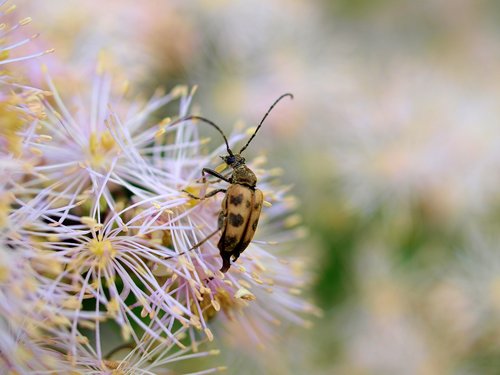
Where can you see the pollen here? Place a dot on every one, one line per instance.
(160, 132)
(209, 334)
(251, 130)
(112, 365)
(293, 221)
(36, 106)
(125, 332)
(5, 201)
(100, 146)
(244, 284)
(244, 294)
(72, 303)
(89, 221)
(87, 324)
(103, 251)
(113, 307)
(25, 21)
(12, 124)
(195, 322)
(179, 91)
(10, 9)
(161, 270)
(4, 273)
(36, 151)
(215, 305)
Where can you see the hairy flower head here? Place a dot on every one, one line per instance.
(104, 220)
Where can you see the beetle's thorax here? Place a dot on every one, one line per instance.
(244, 176)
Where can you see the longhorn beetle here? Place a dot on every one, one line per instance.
(242, 203)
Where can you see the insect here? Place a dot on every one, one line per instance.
(242, 204)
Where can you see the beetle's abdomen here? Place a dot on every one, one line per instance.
(241, 209)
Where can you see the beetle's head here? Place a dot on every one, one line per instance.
(233, 160)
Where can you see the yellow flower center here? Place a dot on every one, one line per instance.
(9, 131)
(99, 148)
(103, 250)
(222, 300)
(4, 55)
(5, 200)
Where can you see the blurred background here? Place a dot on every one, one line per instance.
(392, 144)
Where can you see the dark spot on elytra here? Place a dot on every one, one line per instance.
(256, 206)
(235, 220)
(230, 241)
(236, 199)
(254, 225)
(248, 204)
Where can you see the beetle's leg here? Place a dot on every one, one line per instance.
(227, 178)
(226, 261)
(211, 194)
(215, 174)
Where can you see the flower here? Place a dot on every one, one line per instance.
(11, 39)
(100, 218)
(260, 289)
(82, 154)
(81, 252)
(143, 241)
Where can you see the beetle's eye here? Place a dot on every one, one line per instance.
(230, 159)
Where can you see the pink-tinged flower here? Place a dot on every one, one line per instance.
(11, 40)
(82, 154)
(105, 264)
(69, 265)
(74, 213)
(261, 289)
(84, 261)
(150, 357)
(35, 338)
(136, 49)
(420, 141)
(105, 208)
(470, 292)
(26, 320)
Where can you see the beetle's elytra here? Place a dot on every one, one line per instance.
(242, 204)
(238, 220)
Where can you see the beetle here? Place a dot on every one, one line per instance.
(242, 203)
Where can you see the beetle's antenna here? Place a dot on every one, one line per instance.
(208, 122)
(265, 116)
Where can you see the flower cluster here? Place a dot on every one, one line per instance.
(99, 272)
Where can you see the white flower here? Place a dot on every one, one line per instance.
(105, 222)
(261, 288)
(27, 319)
(11, 40)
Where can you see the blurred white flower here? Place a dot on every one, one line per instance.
(423, 140)
(13, 41)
